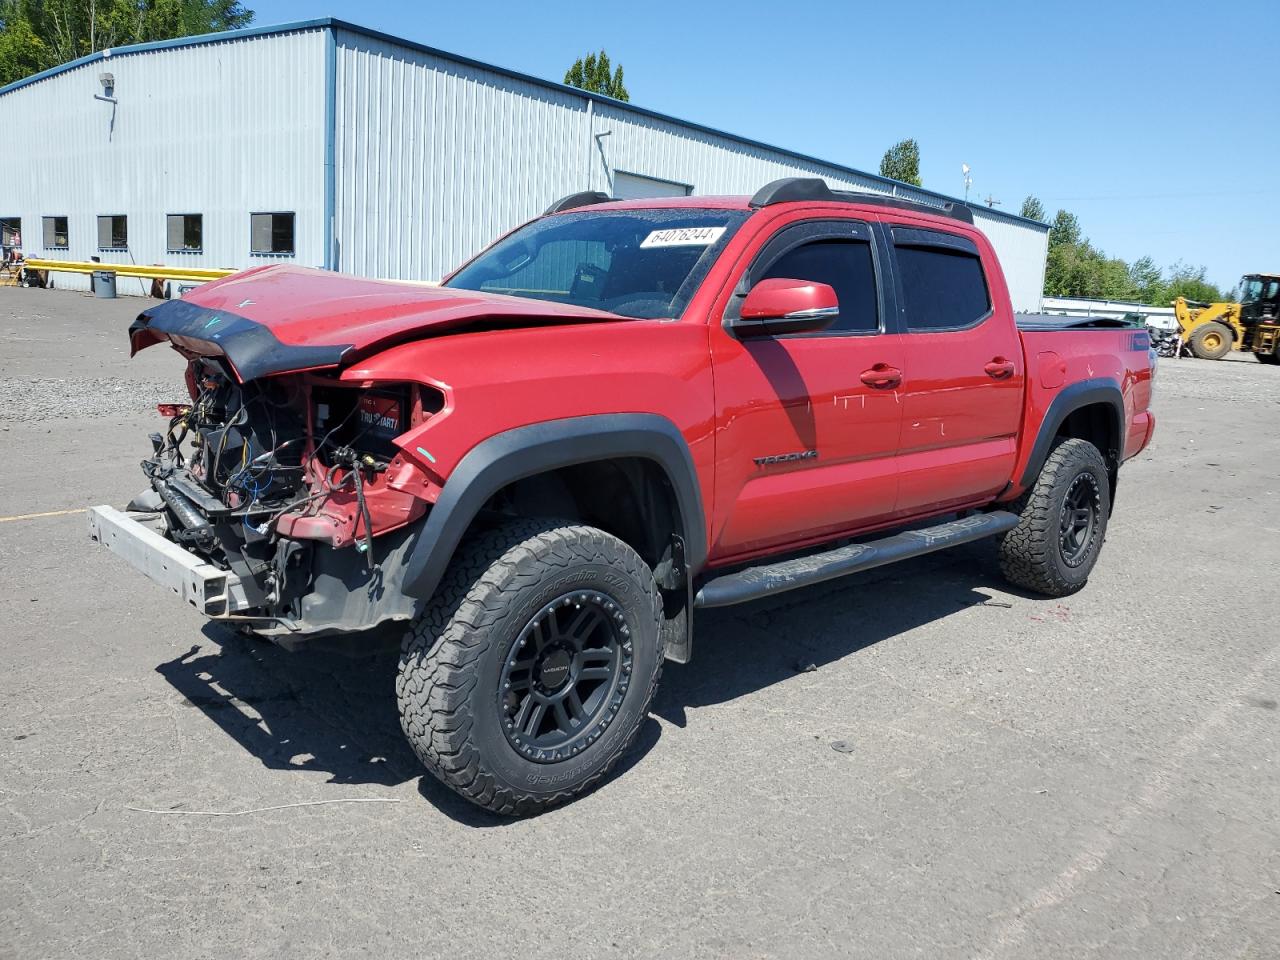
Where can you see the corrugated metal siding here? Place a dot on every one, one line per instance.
(649, 146)
(1022, 250)
(434, 160)
(219, 129)
(437, 158)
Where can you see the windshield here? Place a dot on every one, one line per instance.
(637, 263)
(1250, 289)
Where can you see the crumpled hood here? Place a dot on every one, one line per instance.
(282, 318)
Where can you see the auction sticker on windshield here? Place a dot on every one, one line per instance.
(682, 237)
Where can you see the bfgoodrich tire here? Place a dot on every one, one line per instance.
(532, 668)
(1063, 522)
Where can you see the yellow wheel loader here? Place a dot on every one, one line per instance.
(1212, 330)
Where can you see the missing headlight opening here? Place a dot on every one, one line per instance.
(303, 456)
(369, 420)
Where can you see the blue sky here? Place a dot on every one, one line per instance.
(1147, 120)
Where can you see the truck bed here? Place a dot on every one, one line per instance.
(1100, 351)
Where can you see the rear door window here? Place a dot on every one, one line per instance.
(943, 283)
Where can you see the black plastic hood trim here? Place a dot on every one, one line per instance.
(251, 348)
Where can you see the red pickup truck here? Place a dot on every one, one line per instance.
(615, 415)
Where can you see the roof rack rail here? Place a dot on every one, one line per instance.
(813, 189)
(584, 199)
(790, 190)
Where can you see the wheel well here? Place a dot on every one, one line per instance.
(1096, 423)
(629, 497)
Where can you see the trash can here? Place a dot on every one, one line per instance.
(104, 284)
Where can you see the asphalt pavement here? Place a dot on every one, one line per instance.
(915, 762)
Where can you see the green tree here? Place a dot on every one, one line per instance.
(38, 34)
(1074, 267)
(1147, 281)
(901, 162)
(595, 73)
(22, 52)
(1111, 279)
(1080, 270)
(1188, 281)
(1033, 209)
(1065, 230)
(1070, 270)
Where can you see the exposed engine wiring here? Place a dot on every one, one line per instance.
(300, 502)
(261, 478)
(338, 426)
(222, 440)
(175, 443)
(364, 513)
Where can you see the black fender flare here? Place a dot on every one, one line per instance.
(1084, 393)
(525, 451)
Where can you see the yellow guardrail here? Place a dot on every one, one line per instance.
(138, 270)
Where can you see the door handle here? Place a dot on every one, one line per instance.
(999, 368)
(882, 376)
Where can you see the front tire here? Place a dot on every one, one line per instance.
(1211, 341)
(533, 666)
(1269, 358)
(1063, 522)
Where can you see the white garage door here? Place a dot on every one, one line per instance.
(631, 186)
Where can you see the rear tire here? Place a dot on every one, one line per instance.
(1269, 358)
(1211, 341)
(533, 666)
(1063, 522)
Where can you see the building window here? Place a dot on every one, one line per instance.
(184, 232)
(10, 232)
(271, 234)
(55, 233)
(113, 232)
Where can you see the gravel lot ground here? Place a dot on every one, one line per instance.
(1096, 776)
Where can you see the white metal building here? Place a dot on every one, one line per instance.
(1162, 318)
(331, 145)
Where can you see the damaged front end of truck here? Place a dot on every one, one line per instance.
(287, 493)
(277, 498)
(293, 487)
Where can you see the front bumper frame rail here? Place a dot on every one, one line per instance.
(215, 593)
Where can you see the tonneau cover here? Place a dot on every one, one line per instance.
(1046, 321)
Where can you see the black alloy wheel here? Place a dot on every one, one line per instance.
(1079, 519)
(565, 676)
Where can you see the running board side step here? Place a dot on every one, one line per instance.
(761, 581)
